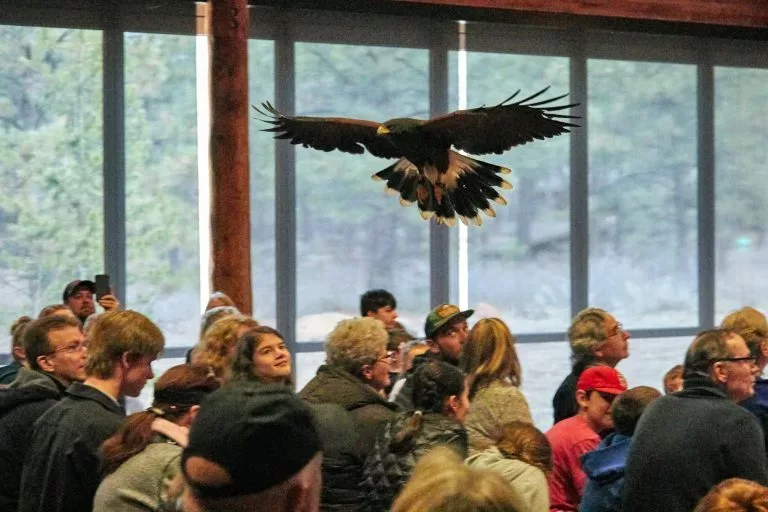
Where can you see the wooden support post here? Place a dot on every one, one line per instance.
(230, 189)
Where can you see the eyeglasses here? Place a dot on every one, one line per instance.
(71, 349)
(386, 358)
(749, 359)
(619, 330)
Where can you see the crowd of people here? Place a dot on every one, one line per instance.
(391, 421)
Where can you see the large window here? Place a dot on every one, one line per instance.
(163, 263)
(741, 189)
(642, 179)
(638, 175)
(351, 236)
(51, 228)
(519, 261)
(261, 69)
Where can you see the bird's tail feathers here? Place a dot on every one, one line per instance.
(403, 178)
(468, 188)
(476, 184)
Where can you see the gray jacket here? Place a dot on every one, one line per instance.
(141, 482)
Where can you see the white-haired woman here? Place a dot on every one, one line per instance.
(347, 391)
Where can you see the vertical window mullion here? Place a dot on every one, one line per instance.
(579, 181)
(706, 187)
(114, 153)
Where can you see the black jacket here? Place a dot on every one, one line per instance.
(687, 442)
(388, 466)
(61, 468)
(352, 424)
(28, 397)
(404, 399)
(564, 402)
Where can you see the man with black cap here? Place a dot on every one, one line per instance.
(78, 296)
(446, 330)
(252, 448)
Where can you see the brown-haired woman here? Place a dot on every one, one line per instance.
(522, 457)
(137, 460)
(490, 361)
(262, 356)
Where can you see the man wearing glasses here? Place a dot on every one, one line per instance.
(596, 338)
(596, 389)
(690, 441)
(61, 468)
(56, 350)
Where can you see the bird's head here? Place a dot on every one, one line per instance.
(397, 126)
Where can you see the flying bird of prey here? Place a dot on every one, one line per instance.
(441, 181)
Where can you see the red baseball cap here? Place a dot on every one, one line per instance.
(602, 378)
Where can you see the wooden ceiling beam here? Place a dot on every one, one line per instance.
(735, 13)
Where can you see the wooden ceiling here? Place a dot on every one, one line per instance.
(721, 17)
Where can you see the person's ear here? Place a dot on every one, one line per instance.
(597, 350)
(433, 346)
(367, 372)
(128, 360)
(581, 398)
(452, 403)
(44, 364)
(20, 353)
(719, 372)
(192, 414)
(296, 496)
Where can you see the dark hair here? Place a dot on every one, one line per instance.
(708, 345)
(176, 392)
(242, 363)
(372, 300)
(17, 334)
(36, 342)
(629, 406)
(434, 382)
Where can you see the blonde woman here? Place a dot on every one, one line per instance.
(217, 347)
(523, 457)
(440, 482)
(490, 361)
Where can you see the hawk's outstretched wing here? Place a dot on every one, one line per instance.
(496, 129)
(328, 134)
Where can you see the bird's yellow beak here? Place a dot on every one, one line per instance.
(382, 130)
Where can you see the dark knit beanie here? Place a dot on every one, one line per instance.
(262, 435)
